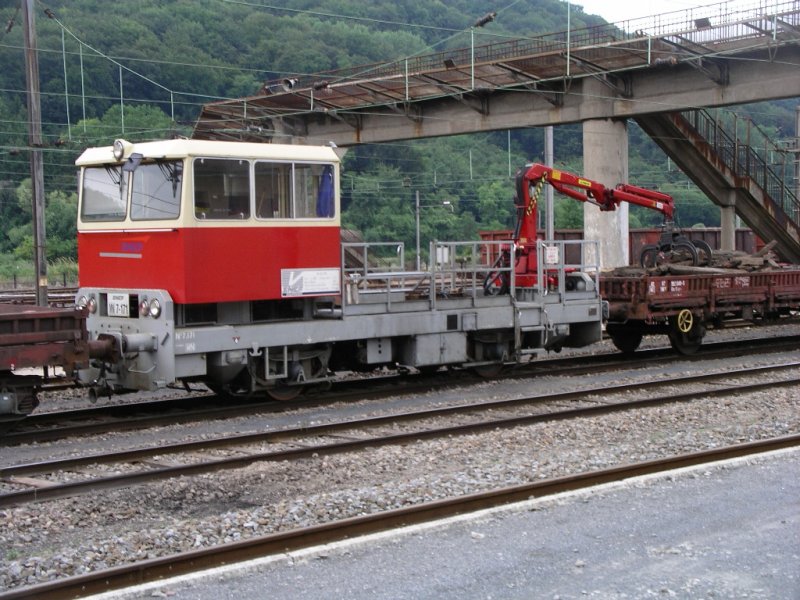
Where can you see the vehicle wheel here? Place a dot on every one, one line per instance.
(703, 252)
(489, 371)
(219, 389)
(649, 257)
(626, 339)
(684, 252)
(685, 332)
(285, 393)
(233, 390)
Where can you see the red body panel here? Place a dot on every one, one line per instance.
(196, 265)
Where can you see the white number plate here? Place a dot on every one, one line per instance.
(118, 305)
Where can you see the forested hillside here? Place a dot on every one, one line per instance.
(142, 70)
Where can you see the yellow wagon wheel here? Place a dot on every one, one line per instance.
(685, 320)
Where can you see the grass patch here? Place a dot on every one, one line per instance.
(21, 274)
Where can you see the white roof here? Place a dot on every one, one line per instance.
(180, 148)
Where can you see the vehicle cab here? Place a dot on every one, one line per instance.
(178, 232)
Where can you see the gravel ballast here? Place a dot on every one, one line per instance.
(46, 540)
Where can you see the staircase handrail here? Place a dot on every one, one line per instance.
(748, 156)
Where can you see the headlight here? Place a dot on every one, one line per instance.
(81, 302)
(119, 148)
(150, 308)
(91, 304)
(155, 308)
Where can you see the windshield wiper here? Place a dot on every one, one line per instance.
(172, 173)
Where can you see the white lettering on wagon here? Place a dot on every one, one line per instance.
(677, 286)
(664, 286)
(309, 282)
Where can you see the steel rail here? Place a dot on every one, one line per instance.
(123, 417)
(75, 488)
(280, 543)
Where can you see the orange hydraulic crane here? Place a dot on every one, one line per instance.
(529, 183)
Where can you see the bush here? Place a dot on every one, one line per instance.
(22, 273)
(63, 272)
(16, 273)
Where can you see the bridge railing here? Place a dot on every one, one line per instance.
(724, 22)
(749, 152)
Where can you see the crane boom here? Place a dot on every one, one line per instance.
(529, 182)
(583, 190)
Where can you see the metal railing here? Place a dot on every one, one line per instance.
(710, 26)
(380, 270)
(372, 256)
(558, 274)
(462, 267)
(459, 269)
(721, 22)
(748, 152)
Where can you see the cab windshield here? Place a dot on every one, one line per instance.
(155, 191)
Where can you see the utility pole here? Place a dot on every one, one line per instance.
(797, 152)
(35, 144)
(416, 210)
(550, 233)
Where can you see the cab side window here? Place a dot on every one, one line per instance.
(294, 190)
(273, 190)
(221, 188)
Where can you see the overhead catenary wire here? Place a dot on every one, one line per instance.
(209, 66)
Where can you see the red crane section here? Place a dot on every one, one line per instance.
(529, 184)
(583, 190)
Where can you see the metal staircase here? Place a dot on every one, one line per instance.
(735, 164)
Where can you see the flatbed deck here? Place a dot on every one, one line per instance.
(682, 306)
(34, 336)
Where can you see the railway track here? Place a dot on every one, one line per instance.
(307, 441)
(56, 296)
(41, 427)
(296, 539)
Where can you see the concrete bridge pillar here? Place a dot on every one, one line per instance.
(605, 159)
(727, 220)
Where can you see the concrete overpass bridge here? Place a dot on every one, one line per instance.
(601, 76)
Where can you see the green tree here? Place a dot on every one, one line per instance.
(496, 205)
(135, 123)
(568, 213)
(12, 216)
(166, 58)
(60, 225)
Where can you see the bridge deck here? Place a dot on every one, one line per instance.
(548, 62)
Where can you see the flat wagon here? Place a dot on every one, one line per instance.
(684, 306)
(37, 337)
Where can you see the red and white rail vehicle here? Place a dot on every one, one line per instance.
(222, 262)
